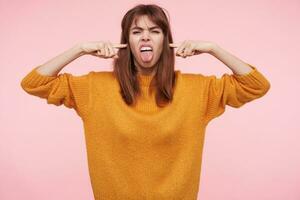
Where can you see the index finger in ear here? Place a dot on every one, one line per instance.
(173, 45)
(119, 46)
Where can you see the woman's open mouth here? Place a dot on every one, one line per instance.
(146, 53)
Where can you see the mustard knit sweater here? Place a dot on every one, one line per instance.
(146, 152)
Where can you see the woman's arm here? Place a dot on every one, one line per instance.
(56, 64)
(192, 47)
(246, 83)
(72, 91)
(234, 63)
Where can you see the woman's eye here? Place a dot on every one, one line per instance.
(135, 32)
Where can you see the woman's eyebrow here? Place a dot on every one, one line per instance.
(140, 28)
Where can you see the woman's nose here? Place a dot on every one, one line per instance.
(145, 36)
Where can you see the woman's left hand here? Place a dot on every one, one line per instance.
(192, 47)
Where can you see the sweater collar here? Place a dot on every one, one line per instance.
(145, 80)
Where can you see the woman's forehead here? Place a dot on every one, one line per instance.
(142, 21)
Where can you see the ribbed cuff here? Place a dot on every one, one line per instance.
(33, 78)
(253, 76)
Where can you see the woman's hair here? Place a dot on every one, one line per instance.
(124, 68)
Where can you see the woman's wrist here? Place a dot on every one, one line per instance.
(79, 50)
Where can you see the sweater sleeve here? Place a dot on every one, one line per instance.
(67, 89)
(233, 90)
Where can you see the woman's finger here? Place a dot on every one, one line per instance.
(115, 54)
(184, 52)
(111, 50)
(188, 50)
(106, 50)
(119, 46)
(180, 49)
(173, 45)
(103, 50)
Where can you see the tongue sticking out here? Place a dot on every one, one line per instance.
(146, 56)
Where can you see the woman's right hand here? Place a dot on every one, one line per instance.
(102, 49)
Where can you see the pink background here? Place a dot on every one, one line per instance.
(249, 153)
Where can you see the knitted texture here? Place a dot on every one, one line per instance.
(146, 152)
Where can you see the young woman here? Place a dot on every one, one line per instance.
(145, 122)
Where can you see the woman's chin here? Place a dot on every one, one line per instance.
(147, 64)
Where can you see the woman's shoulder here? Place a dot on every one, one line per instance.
(189, 76)
(102, 74)
(103, 78)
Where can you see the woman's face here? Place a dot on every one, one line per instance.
(146, 33)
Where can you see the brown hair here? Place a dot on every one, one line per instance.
(124, 68)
